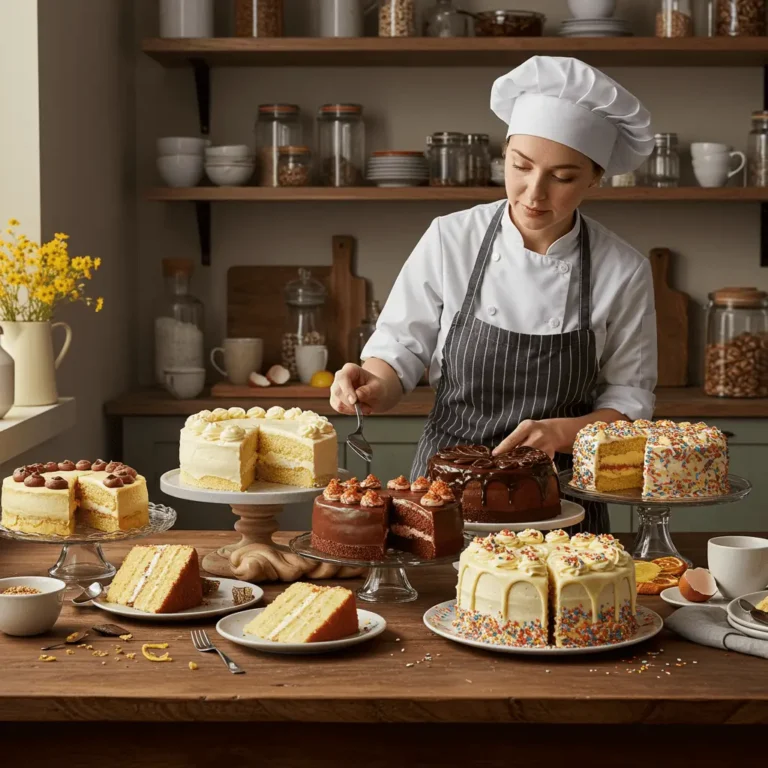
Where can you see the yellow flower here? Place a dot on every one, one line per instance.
(61, 236)
(99, 304)
(96, 263)
(13, 223)
(78, 263)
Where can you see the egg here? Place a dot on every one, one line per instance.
(697, 585)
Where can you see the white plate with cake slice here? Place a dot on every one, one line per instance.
(217, 603)
(232, 628)
(440, 619)
(571, 513)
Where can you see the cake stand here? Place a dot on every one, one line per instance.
(387, 581)
(653, 538)
(256, 557)
(81, 558)
(571, 513)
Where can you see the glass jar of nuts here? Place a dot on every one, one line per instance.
(259, 18)
(278, 125)
(736, 355)
(447, 159)
(294, 166)
(674, 19)
(740, 18)
(397, 18)
(341, 140)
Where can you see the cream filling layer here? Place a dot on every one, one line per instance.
(293, 615)
(407, 532)
(147, 573)
(199, 458)
(632, 457)
(92, 506)
(276, 460)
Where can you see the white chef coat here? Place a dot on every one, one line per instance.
(526, 292)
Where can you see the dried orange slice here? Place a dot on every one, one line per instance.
(671, 566)
(658, 585)
(645, 571)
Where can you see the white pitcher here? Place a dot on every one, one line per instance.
(31, 347)
(6, 381)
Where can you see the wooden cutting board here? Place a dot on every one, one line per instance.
(672, 323)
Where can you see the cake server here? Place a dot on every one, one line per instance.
(202, 643)
(356, 441)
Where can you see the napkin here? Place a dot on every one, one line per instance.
(709, 626)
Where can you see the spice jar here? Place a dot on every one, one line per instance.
(447, 160)
(663, 165)
(478, 159)
(674, 19)
(259, 18)
(397, 18)
(305, 298)
(179, 322)
(757, 151)
(740, 18)
(294, 166)
(736, 355)
(341, 139)
(277, 125)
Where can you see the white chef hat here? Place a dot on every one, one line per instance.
(567, 101)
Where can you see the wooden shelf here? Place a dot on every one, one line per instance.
(459, 51)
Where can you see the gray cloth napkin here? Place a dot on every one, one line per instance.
(709, 626)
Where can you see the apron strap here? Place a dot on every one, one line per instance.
(482, 259)
(585, 276)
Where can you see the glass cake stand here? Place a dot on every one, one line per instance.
(387, 581)
(81, 558)
(653, 538)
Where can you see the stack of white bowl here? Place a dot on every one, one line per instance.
(229, 166)
(180, 160)
(592, 18)
(398, 168)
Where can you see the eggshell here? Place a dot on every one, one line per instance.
(697, 585)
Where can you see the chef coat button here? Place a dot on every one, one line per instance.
(564, 268)
(496, 256)
(491, 311)
(554, 323)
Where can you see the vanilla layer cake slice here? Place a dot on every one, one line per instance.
(113, 501)
(39, 503)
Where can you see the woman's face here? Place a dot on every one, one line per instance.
(546, 181)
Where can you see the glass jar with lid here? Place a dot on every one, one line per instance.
(740, 18)
(259, 18)
(341, 144)
(397, 18)
(294, 166)
(447, 159)
(359, 336)
(663, 165)
(305, 298)
(179, 322)
(736, 355)
(277, 125)
(478, 159)
(757, 151)
(674, 19)
(445, 20)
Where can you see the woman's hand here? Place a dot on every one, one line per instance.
(355, 384)
(547, 435)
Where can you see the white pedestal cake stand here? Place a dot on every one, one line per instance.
(256, 557)
(653, 538)
(571, 513)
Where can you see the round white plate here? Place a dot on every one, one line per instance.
(748, 631)
(440, 617)
(672, 596)
(231, 627)
(741, 618)
(217, 604)
(570, 514)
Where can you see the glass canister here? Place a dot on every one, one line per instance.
(294, 166)
(478, 159)
(757, 151)
(341, 144)
(179, 322)
(305, 298)
(447, 160)
(740, 18)
(259, 18)
(736, 355)
(359, 336)
(397, 18)
(445, 20)
(663, 165)
(277, 125)
(674, 19)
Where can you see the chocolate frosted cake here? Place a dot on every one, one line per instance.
(520, 486)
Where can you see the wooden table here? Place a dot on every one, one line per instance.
(365, 706)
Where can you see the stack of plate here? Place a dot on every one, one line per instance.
(395, 168)
(742, 621)
(595, 28)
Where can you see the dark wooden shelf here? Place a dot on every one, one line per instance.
(459, 51)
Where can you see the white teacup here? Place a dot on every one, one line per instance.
(715, 170)
(184, 383)
(703, 148)
(310, 358)
(25, 615)
(739, 564)
(241, 358)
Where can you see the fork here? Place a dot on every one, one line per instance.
(356, 441)
(202, 643)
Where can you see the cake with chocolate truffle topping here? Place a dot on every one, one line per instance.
(518, 486)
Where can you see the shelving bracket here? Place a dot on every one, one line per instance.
(203, 89)
(203, 213)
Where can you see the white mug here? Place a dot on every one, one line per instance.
(184, 383)
(310, 358)
(715, 170)
(703, 148)
(241, 358)
(186, 18)
(739, 564)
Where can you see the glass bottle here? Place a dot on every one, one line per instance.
(478, 159)
(294, 166)
(397, 18)
(674, 19)
(259, 18)
(740, 18)
(663, 165)
(305, 298)
(736, 354)
(757, 151)
(341, 140)
(445, 20)
(448, 160)
(277, 125)
(179, 322)
(359, 336)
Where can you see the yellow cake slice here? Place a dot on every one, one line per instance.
(40, 504)
(114, 501)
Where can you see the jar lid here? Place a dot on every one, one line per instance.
(477, 138)
(291, 150)
(306, 291)
(340, 110)
(175, 266)
(760, 115)
(447, 137)
(278, 109)
(665, 139)
(739, 297)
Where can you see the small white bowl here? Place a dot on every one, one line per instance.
(181, 170)
(240, 162)
(229, 175)
(592, 9)
(24, 615)
(184, 383)
(181, 145)
(234, 151)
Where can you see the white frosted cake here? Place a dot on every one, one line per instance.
(228, 449)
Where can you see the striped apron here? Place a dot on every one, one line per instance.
(492, 379)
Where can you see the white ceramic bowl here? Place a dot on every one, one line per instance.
(238, 161)
(181, 145)
(233, 151)
(229, 175)
(24, 615)
(592, 9)
(184, 383)
(181, 170)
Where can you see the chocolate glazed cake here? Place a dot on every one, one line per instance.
(520, 486)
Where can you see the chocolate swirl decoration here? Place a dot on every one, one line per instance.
(66, 466)
(99, 465)
(481, 457)
(20, 474)
(83, 465)
(51, 466)
(56, 483)
(34, 481)
(113, 481)
(125, 475)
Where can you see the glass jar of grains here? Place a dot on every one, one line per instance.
(478, 159)
(397, 18)
(447, 160)
(277, 125)
(663, 165)
(294, 166)
(736, 355)
(740, 18)
(757, 151)
(341, 140)
(259, 18)
(674, 19)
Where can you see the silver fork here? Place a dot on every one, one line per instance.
(356, 441)
(202, 643)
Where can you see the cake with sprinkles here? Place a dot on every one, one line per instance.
(532, 590)
(665, 459)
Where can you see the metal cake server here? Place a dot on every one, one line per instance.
(356, 441)
(761, 617)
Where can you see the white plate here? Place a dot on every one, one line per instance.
(570, 514)
(672, 596)
(231, 627)
(740, 617)
(748, 631)
(217, 604)
(439, 618)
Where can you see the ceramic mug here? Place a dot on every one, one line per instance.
(184, 383)
(715, 170)
(704, 148)
(241, 358)
(738, 563)
(310, 358)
